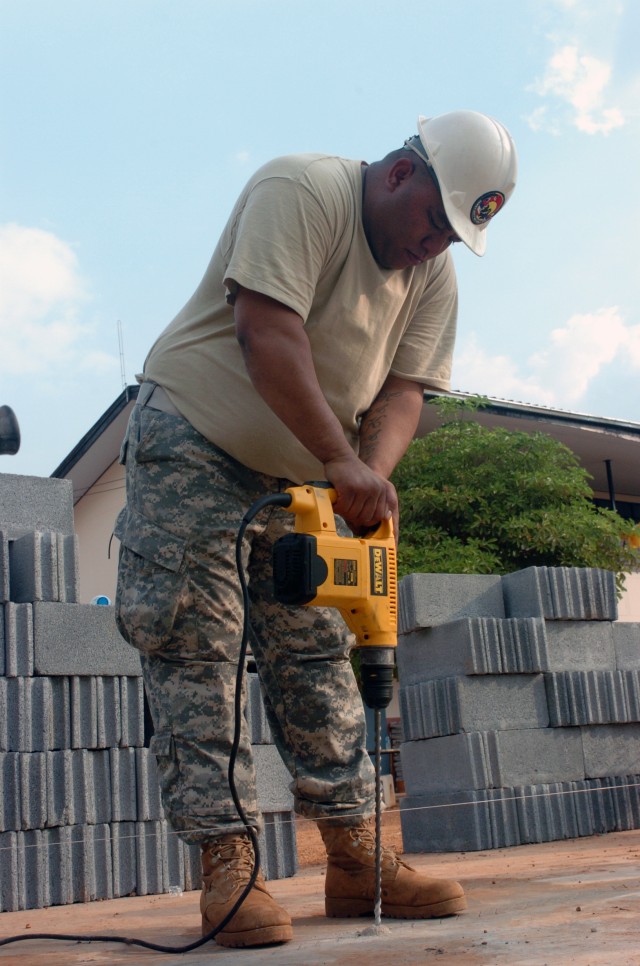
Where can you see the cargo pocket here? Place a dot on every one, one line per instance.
(162, 746)
(151, 583)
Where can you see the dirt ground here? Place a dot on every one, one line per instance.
(566, 903)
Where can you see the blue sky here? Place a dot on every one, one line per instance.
(128, 127)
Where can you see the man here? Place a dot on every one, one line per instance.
(328, 306)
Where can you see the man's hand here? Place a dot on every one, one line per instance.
(364, 498)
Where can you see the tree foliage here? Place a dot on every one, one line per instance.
(491, 501)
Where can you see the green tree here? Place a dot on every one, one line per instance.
(491, 501)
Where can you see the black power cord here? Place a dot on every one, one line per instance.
(276, 499)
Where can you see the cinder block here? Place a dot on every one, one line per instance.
(428, 600)
(33, 790)
(183, 863)
(625, 795)
(58, 866)
(83, 787)
(124, 859)
(631, 681)
(4, 714)
(10, 797)
(28, 712)
(100, 773)
(592, 697)
(124, 803)
(475, 645)
(9, 872)
(467, 820)
(86, 787)
(272, 780)
(192, 866)
(34, 869)
(5, 592)
(61, 713)
(69, 639)
(79, 864)
(131, 712)
(56, 855)
(84, 712)
(575, 645)
(175, 859)
(149, 802)
(588, 808)
(561, 593)
(103, 865)
(43, 567)
(259, 730)
(538, 756)
(108, 712)
(611, 750)
(151, 858)
(97, 718)
(35, 503)
(546, 812)
(277, 844)
(626, 644)
(492, 759)
(61, 789)
(604, 812)
(463, 704)
(18, 640)
(450, 764)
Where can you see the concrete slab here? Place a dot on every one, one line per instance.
(69, 638)
(35, 503)
(571, 902)
(428, 600)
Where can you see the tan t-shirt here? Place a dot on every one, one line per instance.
(296, 235)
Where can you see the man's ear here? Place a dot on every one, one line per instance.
(399, 172)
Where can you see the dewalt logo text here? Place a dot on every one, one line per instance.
(378, 564)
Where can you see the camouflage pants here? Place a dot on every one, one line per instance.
(178, 601)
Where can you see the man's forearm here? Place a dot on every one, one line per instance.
(278, 358)
(390, 424)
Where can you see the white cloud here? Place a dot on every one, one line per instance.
(41, 294)
(478, 372)
(580, 81)
(561, 373)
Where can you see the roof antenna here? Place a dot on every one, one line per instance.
(121, 348)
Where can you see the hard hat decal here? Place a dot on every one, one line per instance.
(486, 206)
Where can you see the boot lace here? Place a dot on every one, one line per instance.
(364, 836)
(235, 855)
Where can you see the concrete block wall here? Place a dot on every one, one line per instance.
(80, 810)
(520, 709)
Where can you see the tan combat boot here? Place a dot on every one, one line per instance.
(350, 887)
(227, 864)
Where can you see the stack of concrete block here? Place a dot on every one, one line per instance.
(80, 810)
(520, 708)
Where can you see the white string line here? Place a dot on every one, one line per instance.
(288, 819)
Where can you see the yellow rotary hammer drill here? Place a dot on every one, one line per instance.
(357, 575)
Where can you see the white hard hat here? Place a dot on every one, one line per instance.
(474, 160)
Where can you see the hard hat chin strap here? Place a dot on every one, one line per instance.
(415, 144)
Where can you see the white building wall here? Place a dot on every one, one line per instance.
(94, 518)
(629, 605)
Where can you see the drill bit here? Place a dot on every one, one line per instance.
(378, 898)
